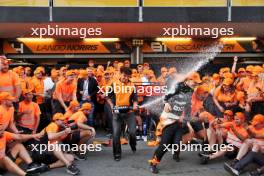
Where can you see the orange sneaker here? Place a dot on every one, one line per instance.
(153, 143)
(154, 161)
(123, 141)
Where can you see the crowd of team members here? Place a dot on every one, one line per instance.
(65, 105)
(226, 108)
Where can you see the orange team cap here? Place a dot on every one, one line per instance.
(216, 76)
(228, 112)
(257, 70)
(202, 89)
(241, 70)
(241, 116)
(26, 91)
(259, 118)
(120, 64)
(70, 73)
(228, 75)
(224, 70)
(6, 96)
(228, 81)
(74, 103)
(83, 73)
(250, 68)
(86, 106)
(58, 116)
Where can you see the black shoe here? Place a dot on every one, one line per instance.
(233, 163)
(134, 149)
(34, 168)
(79, 156)
(73, 170)
(153, 169)
(117, 157)
(44, 168)
(254, 173)
(231, 170)
(204, 158)
(176, 157)
(30, 174)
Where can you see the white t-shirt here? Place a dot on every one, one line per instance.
(48, 85)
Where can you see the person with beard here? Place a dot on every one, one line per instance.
(9, 80)
(126, 97)
(178, 106)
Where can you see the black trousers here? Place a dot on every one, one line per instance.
(130, 120)
(109, 117)
(57, 107)
(45, 117)
(251, 157)
(172, 134)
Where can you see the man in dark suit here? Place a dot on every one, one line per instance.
(87, 88)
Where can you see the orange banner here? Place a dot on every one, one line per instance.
(197, 46)
(51, 46)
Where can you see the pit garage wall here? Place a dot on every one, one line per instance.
(63, 46)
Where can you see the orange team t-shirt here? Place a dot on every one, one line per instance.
(8, 82)
(222, 97)
(255, 89)
(197, 105)
(65, 90)
(257, 131)
(6, 116)
(78, 117)
(67, 115)
(243, 84)
(54, 128)
(29, 120)
(37, 85)
(240, 129)
(6, 137)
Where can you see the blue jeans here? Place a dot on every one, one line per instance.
(90, 119)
